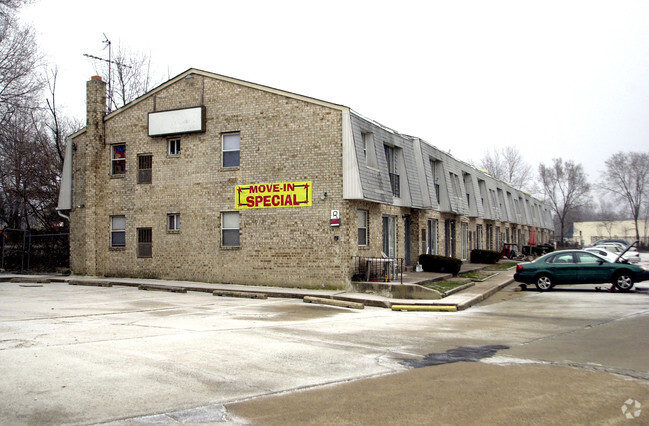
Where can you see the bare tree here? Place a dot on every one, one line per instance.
(129, 74)
(627, 178)
(19, 59)
(507, 164)
(565, 187)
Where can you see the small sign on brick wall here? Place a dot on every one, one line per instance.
(335, 218)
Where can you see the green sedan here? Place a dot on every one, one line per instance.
(578, 267)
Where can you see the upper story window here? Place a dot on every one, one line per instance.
(231, 149)
(368, 150)
(391, 159)
(173, 147)
(144, 168)
(435, 169)
(173, 222)
(118, 159)
(455, 183)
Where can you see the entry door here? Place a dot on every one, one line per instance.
(390, 236)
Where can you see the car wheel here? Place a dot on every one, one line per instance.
(543, 282)
(623, 281)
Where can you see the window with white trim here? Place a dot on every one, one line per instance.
(173, 222)
(363, 221)
(117, 231)
(173, 147)
(230, 229)
(231, 144)
(369, 151)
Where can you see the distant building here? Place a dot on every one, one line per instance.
(211, 178)
(588, 232)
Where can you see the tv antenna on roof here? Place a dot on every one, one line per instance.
(110, 61)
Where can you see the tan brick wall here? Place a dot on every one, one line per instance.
(283, 139)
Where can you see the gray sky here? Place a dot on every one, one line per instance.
(565, 79)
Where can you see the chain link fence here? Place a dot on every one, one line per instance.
(26, 251)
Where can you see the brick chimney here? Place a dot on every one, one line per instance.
(87, 188)
(95, 108)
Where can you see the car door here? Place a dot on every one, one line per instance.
(564, 268)
(593, 269)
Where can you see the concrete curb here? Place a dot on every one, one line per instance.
(458, 289)
(89, 283)
(242, 294)
(457, 299)
(162, 287)
(484, 295)
(426, 308)
(333, 302)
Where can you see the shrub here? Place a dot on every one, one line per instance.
(485, 256)
(434, 263)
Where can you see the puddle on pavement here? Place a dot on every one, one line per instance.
(298, 312)
(460, 354)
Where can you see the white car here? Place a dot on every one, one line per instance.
(610, 256)
(632, 255)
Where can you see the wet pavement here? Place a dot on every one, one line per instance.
(75, 354)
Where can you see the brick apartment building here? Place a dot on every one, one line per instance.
(211, 178)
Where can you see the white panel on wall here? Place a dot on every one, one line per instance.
(188, 120)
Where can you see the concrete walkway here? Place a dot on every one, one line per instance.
(468, 296)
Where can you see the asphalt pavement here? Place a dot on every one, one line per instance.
(467, 296)
(105, 351)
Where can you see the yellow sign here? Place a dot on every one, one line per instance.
(273, 195)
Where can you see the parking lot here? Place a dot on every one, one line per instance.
(73, 354)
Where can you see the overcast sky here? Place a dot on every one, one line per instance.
(565, 79)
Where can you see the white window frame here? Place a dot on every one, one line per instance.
(173, 222)
(175, 152)
(363, 219)
(114, 230)
(224, 150)
(229, 229)
(369, 151)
